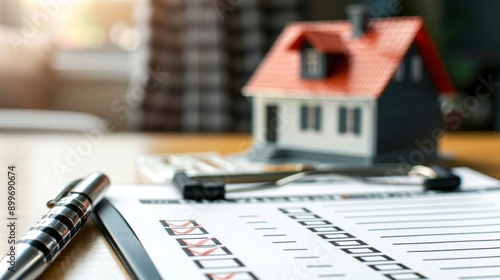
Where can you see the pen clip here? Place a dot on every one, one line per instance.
(62, 193)
(421, 170)
(437, 178)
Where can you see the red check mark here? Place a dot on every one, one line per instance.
(188, 223)
(227, 277)
(188, 231)
(203, 252)
(199, 243)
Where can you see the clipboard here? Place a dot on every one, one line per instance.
(124, 242)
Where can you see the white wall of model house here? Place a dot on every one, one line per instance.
(326, 139)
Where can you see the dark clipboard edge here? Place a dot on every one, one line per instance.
(124, 241)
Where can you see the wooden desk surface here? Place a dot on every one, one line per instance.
(45, 161)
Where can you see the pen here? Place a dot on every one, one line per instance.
(35, 251)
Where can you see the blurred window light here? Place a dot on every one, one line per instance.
(79, 25)
(416, 62)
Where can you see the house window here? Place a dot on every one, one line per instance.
(312, 62)
(271, 123)
(356, 119)
(317, 118)
(342, 120)
(310, 117)
(350, 120)
(399, 76)
(416, 68)
(304, 116)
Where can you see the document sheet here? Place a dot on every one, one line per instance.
(403, 235)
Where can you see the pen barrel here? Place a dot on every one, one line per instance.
(52, 233)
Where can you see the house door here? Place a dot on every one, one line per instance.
(271, 123)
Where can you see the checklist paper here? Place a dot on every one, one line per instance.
(393, 236)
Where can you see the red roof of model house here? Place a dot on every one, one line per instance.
(372, 59)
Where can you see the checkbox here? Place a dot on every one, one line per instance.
(315, 223)
(179, 223)
(324, 229)
(364, 250)
(198, 242)
(380, 258)
(340, 235)
(341, 243)
(232, 276)
(219, 263)
(294, 210)
(389, 266)
(186, 231)
(405, 276)
(207, 251)
(305, 217)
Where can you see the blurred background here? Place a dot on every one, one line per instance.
(179, 65)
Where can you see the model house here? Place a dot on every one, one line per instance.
(353, 91)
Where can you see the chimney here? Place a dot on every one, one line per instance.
(358, 16)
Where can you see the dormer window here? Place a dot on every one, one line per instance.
(312, 61)
(313, 64)
(320, 53)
